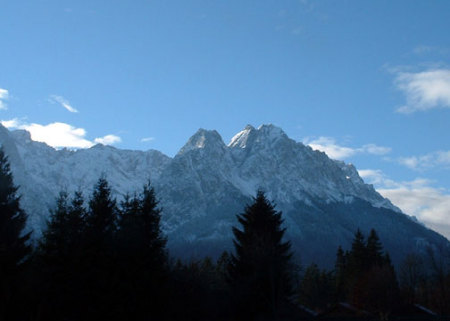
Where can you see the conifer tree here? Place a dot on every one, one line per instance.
(260, 268)
(316, 288)
(358, 254)
(142, 256)
(340, 272)
(76, 218)
(53, 245)
(99, 281)
(13, 241)
(366, 276)
(140, 230)
(59, 255)
(64, 229)
(374, 249)
(101, 218)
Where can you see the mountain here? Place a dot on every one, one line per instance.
(208, 182)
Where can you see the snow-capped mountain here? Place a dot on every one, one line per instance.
(207, 183)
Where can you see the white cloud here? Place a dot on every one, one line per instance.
(430, 205)
(108, 140)
(424, 90)
(417, 197)
(4, 95)
(434, 159)
(63, 102)
(335, 151)
(147, 139)
(12, 123)
(375, 176)
(375, 150)
(329, 146)
(59, 135)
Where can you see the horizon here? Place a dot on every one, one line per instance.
(367, 83)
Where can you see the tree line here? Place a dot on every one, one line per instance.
(100, 259)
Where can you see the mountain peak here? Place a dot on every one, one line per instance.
(271, 131)
(249, 134)
(241, 139)
(203, 139)
(22, 135)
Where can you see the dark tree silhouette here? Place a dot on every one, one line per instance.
(58, 258)
(54, 243)
(99, 282)
(365, 275)
(340, 273)
(102, 215)
(260, 268)
(374, 249)
(317, 288)
(13, 241)
(142, 256)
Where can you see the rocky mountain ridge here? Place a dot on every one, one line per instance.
(208, 182)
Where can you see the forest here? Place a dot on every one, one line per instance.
(100, 259)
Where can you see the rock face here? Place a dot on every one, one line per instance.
(207, 183)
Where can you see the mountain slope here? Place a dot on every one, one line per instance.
(207, 183)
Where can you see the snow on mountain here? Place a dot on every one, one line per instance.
(207, 183)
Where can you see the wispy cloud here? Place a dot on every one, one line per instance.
(59, 135)
(108, 140)
(424, 50)
(424, 90)
(417, 198)
(333, 150)
(430, 160)
(12, 123)
(63, 102)
(147, 139)
(430, 205)
(4, 95)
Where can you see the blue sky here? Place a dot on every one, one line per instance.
(366, 81)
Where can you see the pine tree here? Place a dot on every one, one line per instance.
(260, 268)
(59, 255)
(64, 229)
(151, 219)
(99, 282)
(358, 254)
(369, 278)
(142, 256)
(13, 241)
(140, 230)
(76, 219)
(53, 245)
(317, 288)
(374, 249)
(101, 218)
(340, 272)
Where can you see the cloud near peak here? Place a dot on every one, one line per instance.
(108, 140)
(335, 151)
(4, 95)
(59, 135)
(424, 90)
(417, 197)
